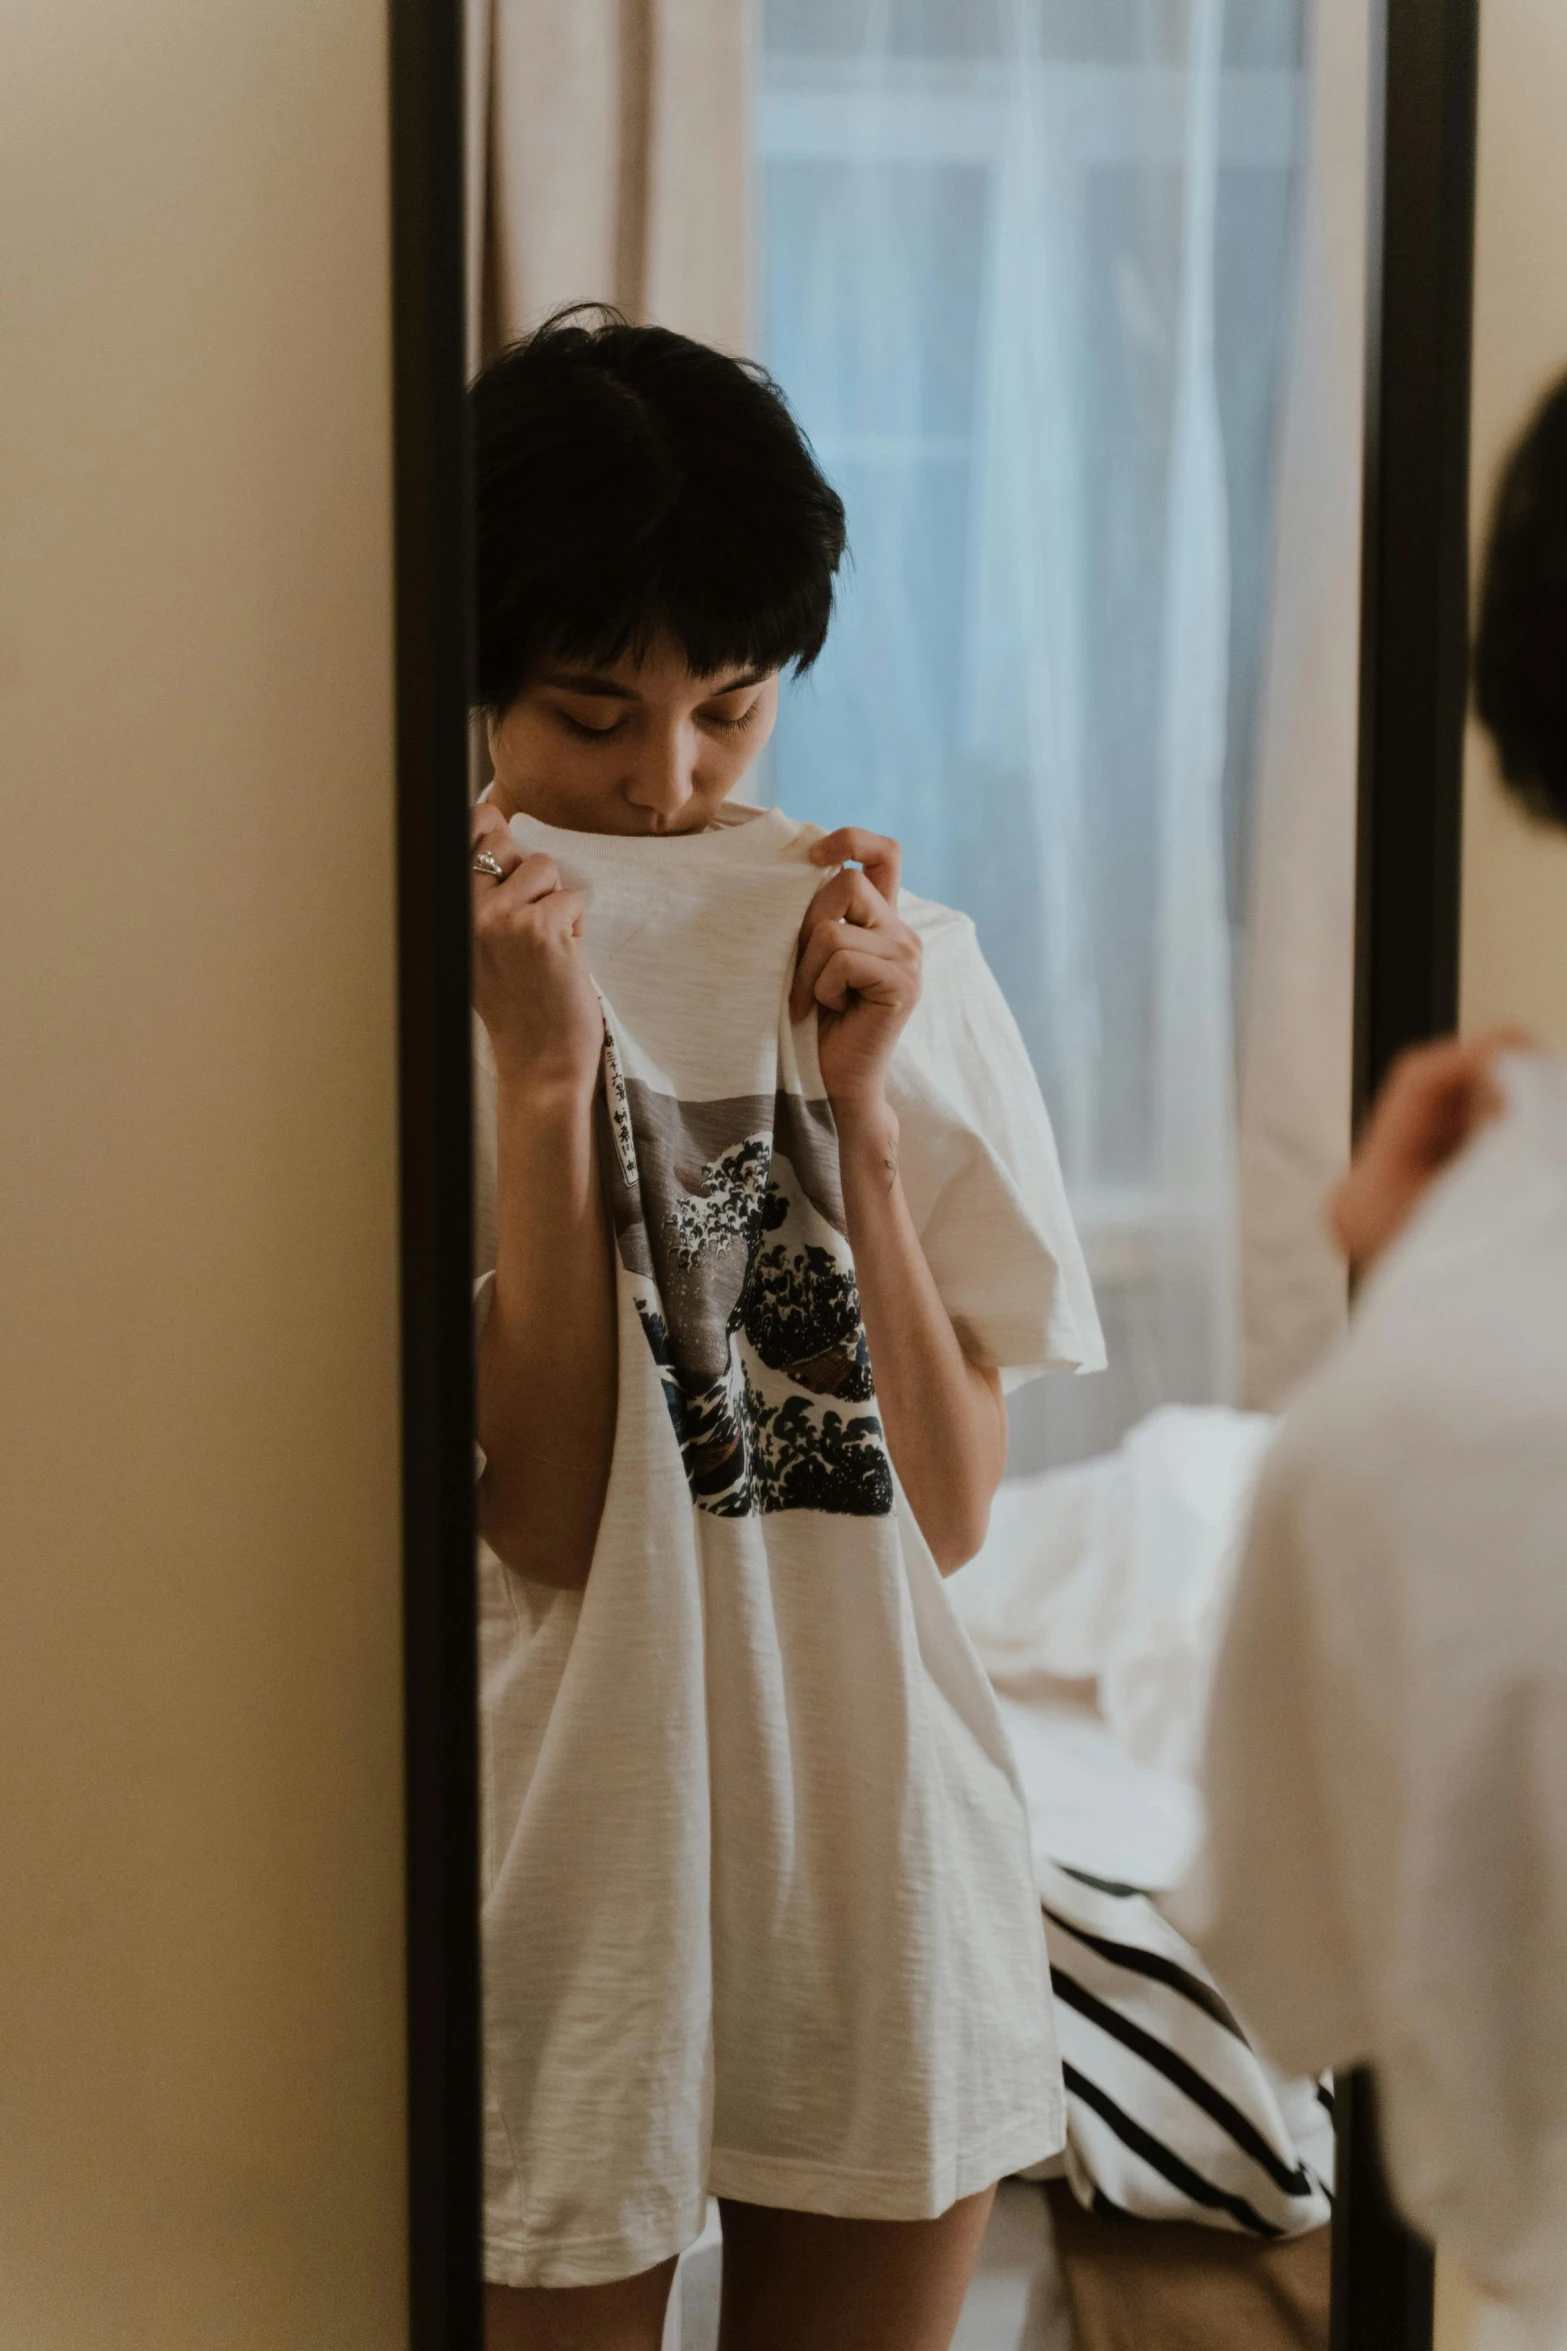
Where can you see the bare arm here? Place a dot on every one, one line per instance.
(944, 1417)
(546, 1370)
(1432, 1103)
(547, 1357)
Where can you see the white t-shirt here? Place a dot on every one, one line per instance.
(1387, 1768)
(759, 1914)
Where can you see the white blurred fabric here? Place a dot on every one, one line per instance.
(1118, 1571)
(1299, 996)
(609, 160)
(1387, 1766)
(1500, 2328)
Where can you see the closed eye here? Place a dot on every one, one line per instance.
(580, 728)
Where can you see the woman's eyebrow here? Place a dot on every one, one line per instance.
(585, 681)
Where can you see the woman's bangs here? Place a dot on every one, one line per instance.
(714, 634)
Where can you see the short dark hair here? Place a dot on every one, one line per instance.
(1521, 644)
(627, 481)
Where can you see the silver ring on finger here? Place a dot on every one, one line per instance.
(486, 863)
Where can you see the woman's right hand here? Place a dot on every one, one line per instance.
(531, 981)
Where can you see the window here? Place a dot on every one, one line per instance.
(1027, 274)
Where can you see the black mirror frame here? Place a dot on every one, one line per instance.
(1414, 691)
(1414, 673)
(440, 1693)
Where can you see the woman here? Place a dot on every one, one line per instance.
(768, 1201)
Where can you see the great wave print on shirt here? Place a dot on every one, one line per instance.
(729, 1216)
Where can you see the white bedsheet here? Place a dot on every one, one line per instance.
(1093, 1807)
(1119, 1570)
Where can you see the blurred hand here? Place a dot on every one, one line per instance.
(530, 977)
(1431, 1103)
(860, 965)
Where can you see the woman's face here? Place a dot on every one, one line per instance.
(637, 747)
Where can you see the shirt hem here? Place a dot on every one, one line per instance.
(599, 2259)
(795, 2184)
(781, 2183)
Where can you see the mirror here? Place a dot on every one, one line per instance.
(878, 1335)
(798, 1802)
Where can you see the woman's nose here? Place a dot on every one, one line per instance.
(664, 778)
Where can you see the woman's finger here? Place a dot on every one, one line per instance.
(892, 943)
(489, 836)
(518, 900)
(873, 948)
(881, 857)
(530, 891)
(549, 921)
(488, 830)
(484, 817)
(531, 878)
(558, 913)
(849, 896)
(860, 971)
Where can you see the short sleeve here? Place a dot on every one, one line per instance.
(980, 1167)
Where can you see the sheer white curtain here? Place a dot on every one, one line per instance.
(1026, 269)
(1300, 997)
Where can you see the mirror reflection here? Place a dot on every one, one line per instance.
(912, 902)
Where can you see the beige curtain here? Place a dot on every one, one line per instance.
(609, 160)
(1299, 1014)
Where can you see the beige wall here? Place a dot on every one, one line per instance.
(1515, 875)
(200, 2034)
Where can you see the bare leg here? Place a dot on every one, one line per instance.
(793, 2279)
(627, 2316)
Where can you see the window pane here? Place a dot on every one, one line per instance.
(1053, 417)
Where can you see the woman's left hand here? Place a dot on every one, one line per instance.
(860, 965)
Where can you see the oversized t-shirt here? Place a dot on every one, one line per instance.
(759, 1913)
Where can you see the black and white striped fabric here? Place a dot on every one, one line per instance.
(1171, 2114)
